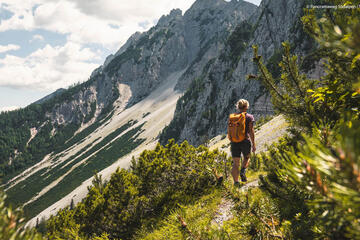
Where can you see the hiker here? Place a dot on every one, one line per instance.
(240, 132)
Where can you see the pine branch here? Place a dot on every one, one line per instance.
(271, 228)
(289, 67)
(264, 72)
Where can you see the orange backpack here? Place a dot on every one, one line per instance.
(236, 127)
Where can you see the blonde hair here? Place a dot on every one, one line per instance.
(242, 104)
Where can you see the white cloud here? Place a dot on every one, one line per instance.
(48, 68)
(22, 18)
(11, 108)
(89, 21)
(135, 10)
(9, 47)
(256, 2)
(38, 38)
(106, 22)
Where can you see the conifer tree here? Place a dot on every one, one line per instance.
(72, 204)
(322, 167)
(12, 225)
(156, 183)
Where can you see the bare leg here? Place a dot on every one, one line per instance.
(235, 169)
(244, 165)
(246, 161)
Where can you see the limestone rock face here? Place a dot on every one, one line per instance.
(212, 43)
(208, 24)
(177, 42)
(203, 110)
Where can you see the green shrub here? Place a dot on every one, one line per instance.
(314, 175)
(12, 225)
(156, 183)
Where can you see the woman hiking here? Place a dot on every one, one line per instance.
(242, 137)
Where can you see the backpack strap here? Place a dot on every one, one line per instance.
(246, 136)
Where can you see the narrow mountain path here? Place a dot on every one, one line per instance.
(224, 212)
(269, 133)
(249, 185)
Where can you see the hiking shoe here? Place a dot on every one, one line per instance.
(243, 177)
(236, 184)
(220, 180)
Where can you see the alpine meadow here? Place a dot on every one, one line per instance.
(140, 150)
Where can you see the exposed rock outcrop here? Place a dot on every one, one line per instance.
(146, 59)
(203, 110)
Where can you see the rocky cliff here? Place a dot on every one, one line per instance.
(175, 43)
(203, 110)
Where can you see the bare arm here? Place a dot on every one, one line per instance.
(252, 136)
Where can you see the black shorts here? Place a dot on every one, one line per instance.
(243, 147)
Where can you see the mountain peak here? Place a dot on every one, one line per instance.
(222, 5)
(174, 14)
(205, 4)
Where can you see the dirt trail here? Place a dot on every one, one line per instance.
(266, 135)
(224, 212)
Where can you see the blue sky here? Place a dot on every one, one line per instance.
(51, 44)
